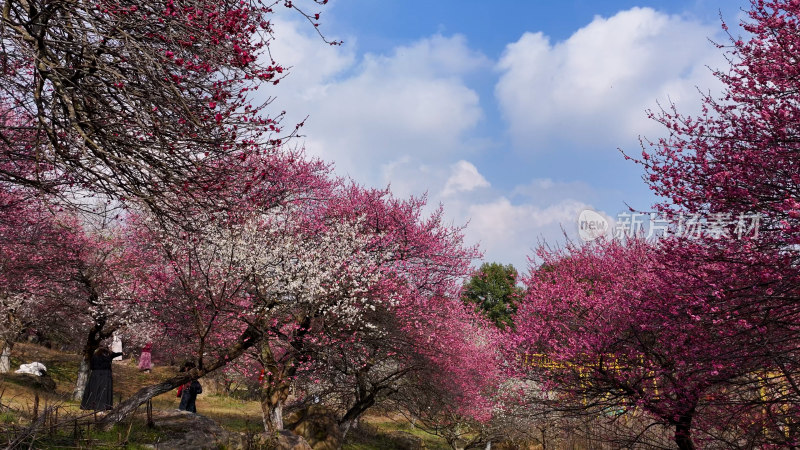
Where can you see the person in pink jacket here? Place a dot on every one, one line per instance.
(145, 359)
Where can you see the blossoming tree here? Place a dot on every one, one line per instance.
(136, 99)
(604, 328)
(736, 164)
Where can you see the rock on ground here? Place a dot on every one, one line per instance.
(317, 426)
(197, 432)
(41, 383)
(188, 430)
(406, 441)
(290, 441)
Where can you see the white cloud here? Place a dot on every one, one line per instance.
(507, 228)
(412, 102)
(594, 87)
(510, 232)
(543, 191)
(464, 178)
(408, 117)
(311, 62)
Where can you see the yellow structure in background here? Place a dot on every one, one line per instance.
(543, 361)
(766, 379)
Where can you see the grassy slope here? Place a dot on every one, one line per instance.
(230, 413)
(379, 433)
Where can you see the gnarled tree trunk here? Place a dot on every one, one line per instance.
(10, 330)
(278, 373)
(352, 415)
(94, 337)
(83, 378)
(5, 356)
(364, 399)
(275, 387)
(368, 393)
(683, 431)
(272, 411)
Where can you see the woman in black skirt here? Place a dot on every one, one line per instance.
(98, 394)
(188, 392)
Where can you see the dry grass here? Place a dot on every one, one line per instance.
(232, 414)
(18, 397)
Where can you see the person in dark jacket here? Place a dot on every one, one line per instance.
(98, 395)
(189, 396)
(188, 392)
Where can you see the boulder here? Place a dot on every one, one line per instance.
(189, 430)
(193, 431)
(402, 440)
(284, 440)
(40, 383)
(290, 441)
(317, 426)
(516, 445)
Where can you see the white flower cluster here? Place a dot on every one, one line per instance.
(330, 271)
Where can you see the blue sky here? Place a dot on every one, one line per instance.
(509, 113)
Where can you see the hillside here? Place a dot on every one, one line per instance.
(233, 423)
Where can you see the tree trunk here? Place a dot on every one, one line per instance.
(276, 415)
(83, 378)
(251, 336)
(94, 336)
(455, 445)
(272, 413)
(454, 439)
(142, 396)
(275, 384)
(5, 356)
(352, 415)
(274, 393)
(93, 339)
(683, 432)
(544, 438)
(345, 427)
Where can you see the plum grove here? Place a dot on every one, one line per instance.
(144, 193)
